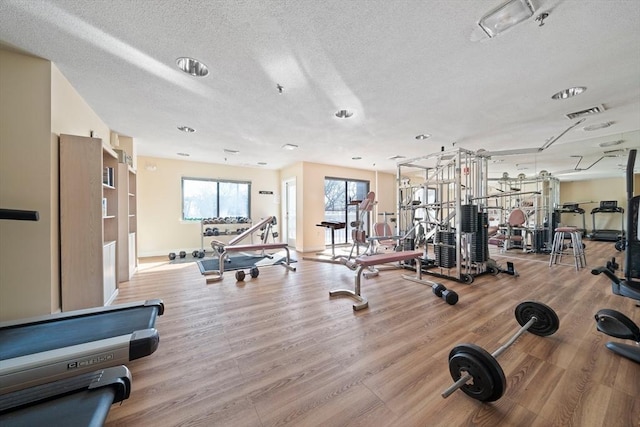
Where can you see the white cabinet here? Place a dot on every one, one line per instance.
(109, 263)
(133, 261)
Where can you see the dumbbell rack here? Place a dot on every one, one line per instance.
(226, 232)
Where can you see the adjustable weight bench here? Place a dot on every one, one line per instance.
(366, 261)
(214, 276)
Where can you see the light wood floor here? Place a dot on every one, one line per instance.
(277, 350)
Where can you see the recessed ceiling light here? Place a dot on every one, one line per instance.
(289, 146)
(396, 157)
(183, 154)
(344, 114)
(186, 129)
(597, 126)
(568, 93)
(423, 136)
(356, 158)
(262, 163)
(192, 66)
(228, 151)
(611, 143)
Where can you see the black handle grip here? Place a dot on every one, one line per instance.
(19, 215)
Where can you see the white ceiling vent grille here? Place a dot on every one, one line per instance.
(589, 111)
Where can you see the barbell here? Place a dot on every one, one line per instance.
(470, 362)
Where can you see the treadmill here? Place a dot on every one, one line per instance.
(81, 401)
(52, 347)
(607, 207)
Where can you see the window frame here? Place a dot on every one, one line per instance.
(343, 236)
(217, 181)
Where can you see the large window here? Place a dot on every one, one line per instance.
(210, 198)
(338, 197)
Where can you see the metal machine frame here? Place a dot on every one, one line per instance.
(459, 178)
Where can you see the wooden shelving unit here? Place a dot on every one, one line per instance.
(89, 218)
(127, 205)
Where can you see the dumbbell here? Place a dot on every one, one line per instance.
(442, 292)
(240, 274)
(472, 362)
(172, 256)
(183, 254)
(613, 265)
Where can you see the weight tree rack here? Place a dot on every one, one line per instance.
(457, 222)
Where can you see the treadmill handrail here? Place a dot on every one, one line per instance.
(84, 312)
(118, 377)
(38, 368)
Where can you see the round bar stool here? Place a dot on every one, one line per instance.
(558, 250)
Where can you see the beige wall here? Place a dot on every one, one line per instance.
(312, 196)
(25, 183)
(594, 191)
(36, 104)
(160, 227)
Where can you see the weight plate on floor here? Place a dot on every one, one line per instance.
(239, 275)
(254, 272)
(488, 383)
(547, 322)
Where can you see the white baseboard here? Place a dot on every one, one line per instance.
(166, 253)
(112, 298)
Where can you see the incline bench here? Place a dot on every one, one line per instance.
(365, 261)
(215, 276)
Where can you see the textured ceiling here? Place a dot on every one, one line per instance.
(404, 67)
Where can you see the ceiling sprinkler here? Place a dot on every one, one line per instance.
(540, 18)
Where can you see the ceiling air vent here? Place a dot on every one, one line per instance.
(593, 110)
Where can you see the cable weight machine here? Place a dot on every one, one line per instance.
(451, 188)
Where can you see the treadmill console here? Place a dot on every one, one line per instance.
(608, 205)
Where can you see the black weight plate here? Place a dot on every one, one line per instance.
(547, 322)
(450, 297)
(438, 288)
(254, 272)
(240, 275)
(489, 382)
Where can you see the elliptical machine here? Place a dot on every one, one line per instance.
(612, 322)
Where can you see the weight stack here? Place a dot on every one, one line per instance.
(445, 255)
(469, 218)
(480, 240)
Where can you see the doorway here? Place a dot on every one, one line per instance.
(289, 211)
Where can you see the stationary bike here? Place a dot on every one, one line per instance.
(612, 322)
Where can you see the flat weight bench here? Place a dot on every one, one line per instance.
(217, 275)
(365, 261)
